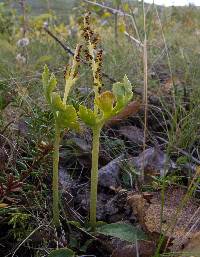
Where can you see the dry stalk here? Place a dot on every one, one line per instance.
(145, 93)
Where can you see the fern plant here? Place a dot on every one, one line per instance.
(106, 105)
(65, 117)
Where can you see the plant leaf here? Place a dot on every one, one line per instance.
(123, 93)
(65, 252)
(57, 103)
(105, 102)
(51, 86)
(45, 77)
(49, 83)
(68, 118)
(87, 116)
(123, 231)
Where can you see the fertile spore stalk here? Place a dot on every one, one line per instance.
(106, 105)
(65, 117)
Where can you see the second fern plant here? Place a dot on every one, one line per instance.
(65, 117)
(106, 105)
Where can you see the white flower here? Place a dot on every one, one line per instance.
(20, 58)
(23, 42)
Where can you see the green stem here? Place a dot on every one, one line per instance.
(94, 176)
(55, 177)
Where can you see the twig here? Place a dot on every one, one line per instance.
(112, 10)
(66, 48)
(138, 43)
(145, 91)
(134, 21)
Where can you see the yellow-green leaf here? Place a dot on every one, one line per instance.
(105, 102)
(49, 83)
(68, 118)
(57, 103)
(87, 116)
(45, 76)
(123, 93)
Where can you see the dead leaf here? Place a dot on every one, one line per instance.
(139, 204)
(131, 109)
(149, 213)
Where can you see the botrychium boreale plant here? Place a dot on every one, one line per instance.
(65, 117)
(106, 105)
